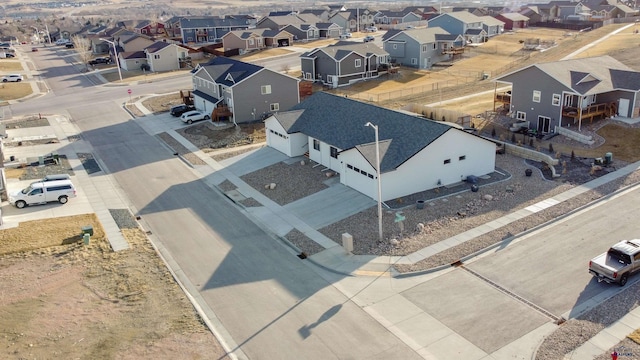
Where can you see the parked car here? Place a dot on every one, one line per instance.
(69, 46)
(34, 49)
(192, 116)
(100, 60)
(9, 55)
(368, 38)
(12, 78)
(43, 192)
(371, 29)
(345, 36)
(178, 110)
(62, 41)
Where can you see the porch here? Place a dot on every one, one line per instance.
(221, 112)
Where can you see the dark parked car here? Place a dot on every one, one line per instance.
(181, 109)
(69, 46)
(100, 60)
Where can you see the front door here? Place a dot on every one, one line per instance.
(623, 107)
(544, 123)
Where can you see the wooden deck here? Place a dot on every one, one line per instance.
(590, 112)
(504, 98)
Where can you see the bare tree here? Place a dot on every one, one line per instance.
(82, 46)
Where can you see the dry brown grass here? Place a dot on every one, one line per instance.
(44, 233)
(257, 55)
(623, 40)
(14, 173)
(621, 141)
(635, 336)
(13, 91)
(10, 65)
(139, 75)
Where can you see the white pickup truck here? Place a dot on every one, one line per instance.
(618, 263)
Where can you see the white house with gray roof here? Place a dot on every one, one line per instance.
(416, 154)
(343, 63)
(567, 93)
(422, 47)
(461, 23)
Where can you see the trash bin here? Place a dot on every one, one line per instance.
(528, 172)
(86, 238)
(608, 158)
(88, 229)
(420, 204)
(12, 158)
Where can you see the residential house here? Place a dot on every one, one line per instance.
(389, 17)
(302, 32)
(567, 93)
(131, 60)
(564, 10)
(163, 56)
(248, 91)
(475, 10)
(256, 39)
(461, 23)
(600, 10)
(150, 28)
(538, 13)
(416, 154)
(301, 26)
(322, 14)
(513, 21)
(343, 63)
(422, 48)
(130, 41)
(492, 26)
(425, 12)
(328, 30)
(211, 29)
(354, 20)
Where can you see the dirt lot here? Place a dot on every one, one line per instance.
(64, 299)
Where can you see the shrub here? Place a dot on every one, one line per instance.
(551, 148)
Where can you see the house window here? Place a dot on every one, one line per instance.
(265, 89)
(424, 48)
(555, 101)
(395, 46)
(316, 144)
(447, 161)
(334, 152)
(274, 107)
(251, 42)
(536, 96)
(414, 61)
(308, 76)
(461, 158)
(358, 63)
(350, 167)
(434, 46)
(521, 115)
(156, 57)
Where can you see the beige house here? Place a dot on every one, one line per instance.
(132, 60)
(133, 42)
(256, 39)
(162, 56)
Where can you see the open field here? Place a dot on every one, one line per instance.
(10, 66)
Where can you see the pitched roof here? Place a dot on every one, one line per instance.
(463, 16)
(342, 49)
(339, 121)
(514, 16)
(228, 71)
(491, 21)
(588, 76)
(212, 21)
(156, 46)
(425, 35)
(133, 55)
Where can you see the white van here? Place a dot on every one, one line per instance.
(44, 192)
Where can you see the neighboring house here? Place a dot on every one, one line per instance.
(256, 39)
(600, 10)
(282, 21)
(564, 9)
(151, 28)
(353, 20)
(248, 91)
(343, 63)
(461, 23)
(132, 60)
(536, 13)
(322, 14)
(396, 17)
(130, 41)
(566, 93)
(492, 26)
(210, 29)
(425, 12)
(513, 21)
(416, 154)
(422, 48)
(477, 11)
(162, 56)
(328, 30)
(302, 32)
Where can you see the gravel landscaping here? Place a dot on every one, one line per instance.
(35, 172)
(123, 218)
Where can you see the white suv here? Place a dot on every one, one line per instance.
(12, 78)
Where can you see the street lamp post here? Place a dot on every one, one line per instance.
(115, 51)
(375, 129)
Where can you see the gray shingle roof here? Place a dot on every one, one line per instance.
(343, 48)
(339, 121)
(425, 35)
(589, 76)
(156, 46)
(219, 67)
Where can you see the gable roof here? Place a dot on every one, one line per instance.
(462, 16)
(339, 121)
(228, 71)
(514, 16)
(156, 46)
(426, 35)
(491, 21)
(132, 55)
(588, 76)
(342, 49)
(213, 21)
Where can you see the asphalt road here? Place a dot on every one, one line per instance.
(272, 304)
